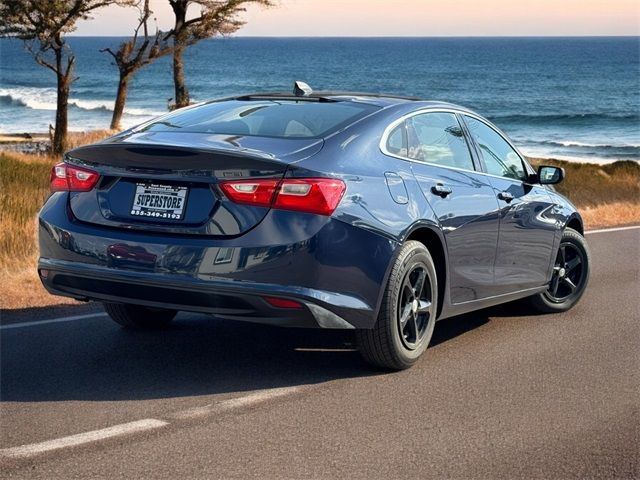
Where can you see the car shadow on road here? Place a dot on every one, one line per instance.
(95, 360)
(450, 328)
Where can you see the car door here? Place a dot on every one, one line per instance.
(462, 199)
(527, 227)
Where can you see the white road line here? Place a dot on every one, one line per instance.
(51, 320)
(82, 438)
(235, 403)
(30, 450)
(616, 229)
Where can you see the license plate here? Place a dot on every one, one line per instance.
(159, 201)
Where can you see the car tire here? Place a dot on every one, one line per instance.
(570, 275)
(137, 317)
(397, 341)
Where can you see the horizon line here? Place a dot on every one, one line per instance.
(385, 36)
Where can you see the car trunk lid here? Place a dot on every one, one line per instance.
(168, 182)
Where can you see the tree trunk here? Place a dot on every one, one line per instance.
(60, 134)
(181, 92)
(179, 44)
(121, 99)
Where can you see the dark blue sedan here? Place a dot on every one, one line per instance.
(377, 213)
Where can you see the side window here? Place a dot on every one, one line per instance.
(437, 138)
(397, 141)
(499, 158)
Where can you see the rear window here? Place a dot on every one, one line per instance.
(264, 118)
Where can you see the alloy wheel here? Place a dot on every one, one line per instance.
(568, 274)
(415, 307)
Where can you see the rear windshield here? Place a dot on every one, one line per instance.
(265, 118)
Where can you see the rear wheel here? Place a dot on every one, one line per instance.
(138, 317)
(570, 275)
(407, 314)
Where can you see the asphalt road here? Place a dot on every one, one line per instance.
(500, 394)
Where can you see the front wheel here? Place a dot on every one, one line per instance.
(408, 312)
(570, 275)
(137, 317)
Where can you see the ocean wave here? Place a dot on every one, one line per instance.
(578, 144)
(565, 118)
(578, 150)
(34, 98)
(143, 112)
(587, 156)
(45, 99)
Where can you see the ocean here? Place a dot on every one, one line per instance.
(569, 98)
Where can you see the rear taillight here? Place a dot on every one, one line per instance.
(311, 195)
(68, 178)
(251, 192)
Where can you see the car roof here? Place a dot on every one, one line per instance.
(379, 99)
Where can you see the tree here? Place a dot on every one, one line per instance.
(216, 17)
(133, 54)
(42, 26)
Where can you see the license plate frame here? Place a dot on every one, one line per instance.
(159, 201)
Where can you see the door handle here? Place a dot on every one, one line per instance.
(506, 196)
(441, 190)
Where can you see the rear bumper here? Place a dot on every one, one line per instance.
(335, 270)
(90, 282)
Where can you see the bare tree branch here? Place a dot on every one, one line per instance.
(216, 18)
(42, 25)
(133, 54)
(108, 50)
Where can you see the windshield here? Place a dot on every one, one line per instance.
(265, 118)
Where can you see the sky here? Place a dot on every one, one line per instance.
(320, 18)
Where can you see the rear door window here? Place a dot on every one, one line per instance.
(437, 138)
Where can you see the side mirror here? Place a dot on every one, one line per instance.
(548, 175)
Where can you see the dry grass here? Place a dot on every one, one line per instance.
(24, 186)
(611, 214)
(23, 189)
(77, 139)
(21, 288)
(591, 185)
(606, 196)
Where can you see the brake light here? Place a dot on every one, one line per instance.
(310, 195)
(250, 192)
(67, 178)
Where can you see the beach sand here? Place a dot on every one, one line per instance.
(39, 143)
(11, 138)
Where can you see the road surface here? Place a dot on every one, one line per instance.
(499, 394)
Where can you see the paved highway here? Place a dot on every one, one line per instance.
(499, 394)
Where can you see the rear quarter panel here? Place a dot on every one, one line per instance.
(375, 198)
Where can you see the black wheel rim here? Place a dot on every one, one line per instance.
(568, 274)
(415, 307)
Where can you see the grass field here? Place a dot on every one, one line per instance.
(590, 185)
(606, 195)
